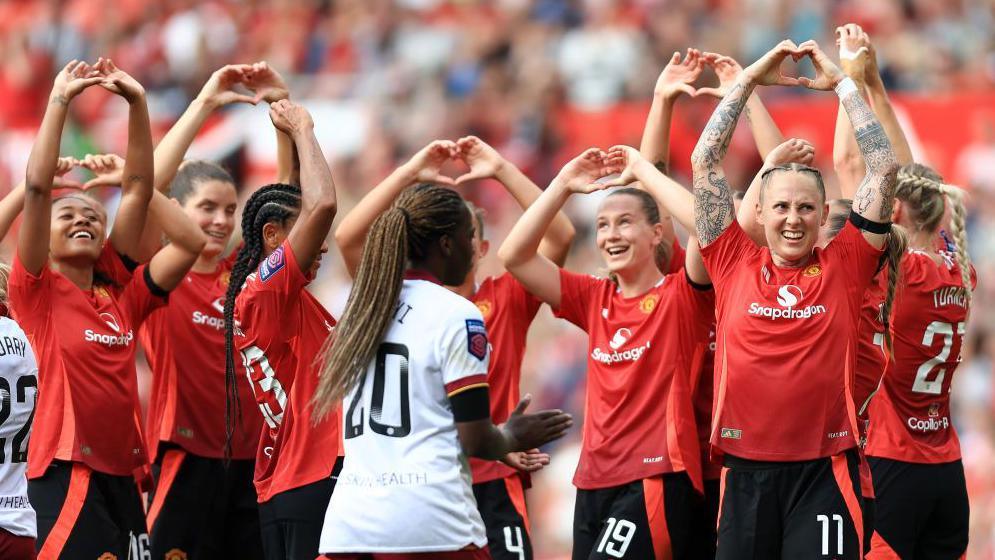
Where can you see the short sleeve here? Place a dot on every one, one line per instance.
(527, 304)
(30, 296)
(577, 292)
(139, 297)
(732, 247)
(279, 274)
(112, 264)
(851, 248)
(271, 298)
(464, 351)
(677, 257)
(699, 302)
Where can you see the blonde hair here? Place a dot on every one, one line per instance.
(926, 195)
(4, 277)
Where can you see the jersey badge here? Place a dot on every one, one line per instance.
(730, 433)
(813, 271)
(225, 278)
(176, 554)
(485, 307)
(648, 303)
(107, 556)
(273, 263)
(101, 291)
(934, 410)
(476, 338)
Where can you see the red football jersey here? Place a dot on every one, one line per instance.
(910, 415)
(508, 311)
(280, 330)
(185, 346)
(639, 420)
(85, 344)
(786, 346)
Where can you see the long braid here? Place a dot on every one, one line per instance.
(958, 227)
(898, 243)
(270, 204)
(420, 216)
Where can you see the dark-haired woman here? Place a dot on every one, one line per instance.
(508, 310)
(639, 480)
(410, 358)
(87, 446)
(784, 414)
(199, 505)
(277, 327)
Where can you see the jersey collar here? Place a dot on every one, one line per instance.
(419, 274)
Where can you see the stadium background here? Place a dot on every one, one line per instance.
(540, 80)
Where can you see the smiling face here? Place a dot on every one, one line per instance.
(625, 236)
(78, 227)
(792, 207)
(211, 205)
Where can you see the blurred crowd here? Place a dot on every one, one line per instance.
(383, 78)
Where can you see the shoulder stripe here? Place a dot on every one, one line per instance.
(466, 383)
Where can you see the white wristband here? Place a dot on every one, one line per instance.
(845, 87)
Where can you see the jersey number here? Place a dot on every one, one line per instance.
(922, 383)
(618, 536)
(18, 447)
(398, 354)
(824, 521)
(267, 388)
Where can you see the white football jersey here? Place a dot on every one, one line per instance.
(405, 485)
(18, 391)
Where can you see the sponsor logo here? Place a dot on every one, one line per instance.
(926, 425)
(765, 274)
(621, 337)
(185, 432)
(484, 306)
(176, 554)
(837, 435)
(630, 355)
(86, 450)
(273, 263)
(125, 339)
(219, 305)
(111, 322)
(788, 297)
(476, 338)
(604, 312)
(650, 460)
(812, 271)
(204, 319)
(731, 433)
(648, 303)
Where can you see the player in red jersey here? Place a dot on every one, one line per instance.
(200, 505)
(508, 310)
(87, 445)
(922, 503)
(278, 327)
(639, 479)
(784, 415)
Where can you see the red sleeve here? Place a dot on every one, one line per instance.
(265, 301)
(728, 250)
(700, 301)
(677, 257)
(138, 297)
(112, 265)
(29, 295)
(577, 293)
(525, 303)
(860, 257)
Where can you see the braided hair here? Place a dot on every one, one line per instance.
(925, 196)
(405, 232)
(270, 204)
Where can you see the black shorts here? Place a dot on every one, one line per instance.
(705, 534)
(804, 509)
(201, 509)
(86, 514)
(502, 506)
(291, 521)
(921, 510)
(646, 519)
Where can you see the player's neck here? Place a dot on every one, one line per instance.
(205, 264)
(81, 276)
(632, 283)
(467, 289)
(923, 241)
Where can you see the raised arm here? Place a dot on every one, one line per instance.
(875, 196)
(186, 241)
(423, 167)
(33, 236)
(268, 85)
(485, 161)
(847, 161)
(881, 104)
(318, 204)
(13, 203)
(713, 208)
(138, 173)
(672, 197)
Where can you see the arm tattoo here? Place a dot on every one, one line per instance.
(134, 179)
(59, 99)
(713, 206)
(878, 186)
(662, 167)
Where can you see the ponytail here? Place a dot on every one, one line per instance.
(897, 244)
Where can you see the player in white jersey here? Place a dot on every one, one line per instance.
(410, 359)
(18, 389)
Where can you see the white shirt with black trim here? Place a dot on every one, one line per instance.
(18, 392)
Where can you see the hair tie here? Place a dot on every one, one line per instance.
(407, 216)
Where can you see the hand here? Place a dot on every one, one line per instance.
(483, 160)
(728, 71)
(623, 160)
(266, 83)
(678, 75)
(853, 51)
(426, 165)
(526, 461)
(827, 74)
(581, 174)
(872, 74)
(767, 70)
(62, 166)
(118, 81)
(528, 431)
(72, 80)
(793, 150)
(290, 118)
(107, 168)
(219, 89)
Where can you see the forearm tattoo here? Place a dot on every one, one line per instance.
(713, 206)
(878, 185)
(59, 99)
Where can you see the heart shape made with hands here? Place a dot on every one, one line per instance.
(768, 70)
(481, 161)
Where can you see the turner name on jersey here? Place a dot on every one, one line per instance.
(401, 444)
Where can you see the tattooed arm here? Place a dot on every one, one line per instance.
(875, 196)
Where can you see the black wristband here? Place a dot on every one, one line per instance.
(471, 405)
(152, 286)
(869, 226)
